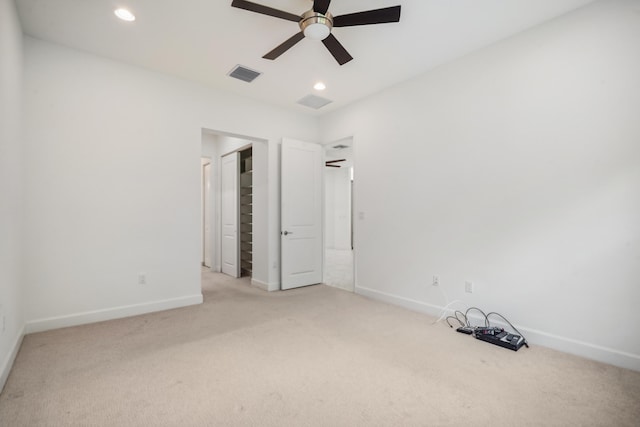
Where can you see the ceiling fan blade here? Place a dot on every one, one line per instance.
(288, 44)
(336, 161)
(337, 50)
(258, 8)
(321, 6)
(376, 16)
(333, 166)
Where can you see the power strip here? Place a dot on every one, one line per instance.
(502, 339)
(491, 334)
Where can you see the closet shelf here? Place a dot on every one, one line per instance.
(245, 190)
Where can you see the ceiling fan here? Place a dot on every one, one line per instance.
(317, 24)
(330, 163)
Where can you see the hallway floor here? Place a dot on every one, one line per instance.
(338, 270)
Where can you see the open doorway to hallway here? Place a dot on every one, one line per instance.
(338, 237)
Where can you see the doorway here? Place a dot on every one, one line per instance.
(214, 146)
(338, 217)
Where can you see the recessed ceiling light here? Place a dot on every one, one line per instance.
(319, 86)
(125, 15)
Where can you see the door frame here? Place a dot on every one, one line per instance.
(206, 193)
(266, 240)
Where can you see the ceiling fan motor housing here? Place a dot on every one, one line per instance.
(316, 25)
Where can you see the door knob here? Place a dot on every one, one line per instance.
(287, 232)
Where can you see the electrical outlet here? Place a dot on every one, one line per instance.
(468, 287)
(436, 281)
(142, 279)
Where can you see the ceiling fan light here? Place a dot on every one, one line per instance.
(317, 31)
(316, 26)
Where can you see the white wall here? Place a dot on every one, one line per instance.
(261, 228)
(518, 168)
(229, 144)
(11, 187)
(210, 151)
(113, 186)
(273, 184)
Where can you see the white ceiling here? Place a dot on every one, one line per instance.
(202, 40)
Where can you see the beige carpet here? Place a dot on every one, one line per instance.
(315, 356)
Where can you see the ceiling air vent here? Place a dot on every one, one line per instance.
(340, 146)
(315, 102)
(243, 73)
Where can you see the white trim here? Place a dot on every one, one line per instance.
(40, 325)
(269, 287)
(274, 286)
(7, 363)
(534, 336)
(408, 303)
(259, 284)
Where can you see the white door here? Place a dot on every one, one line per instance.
(206, 215)
(301, 178)
(229, 215)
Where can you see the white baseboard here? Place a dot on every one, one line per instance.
(567, 345)
(7, 363)
(269, 287)
(411, 304)
(40, 325)
(259, 284)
